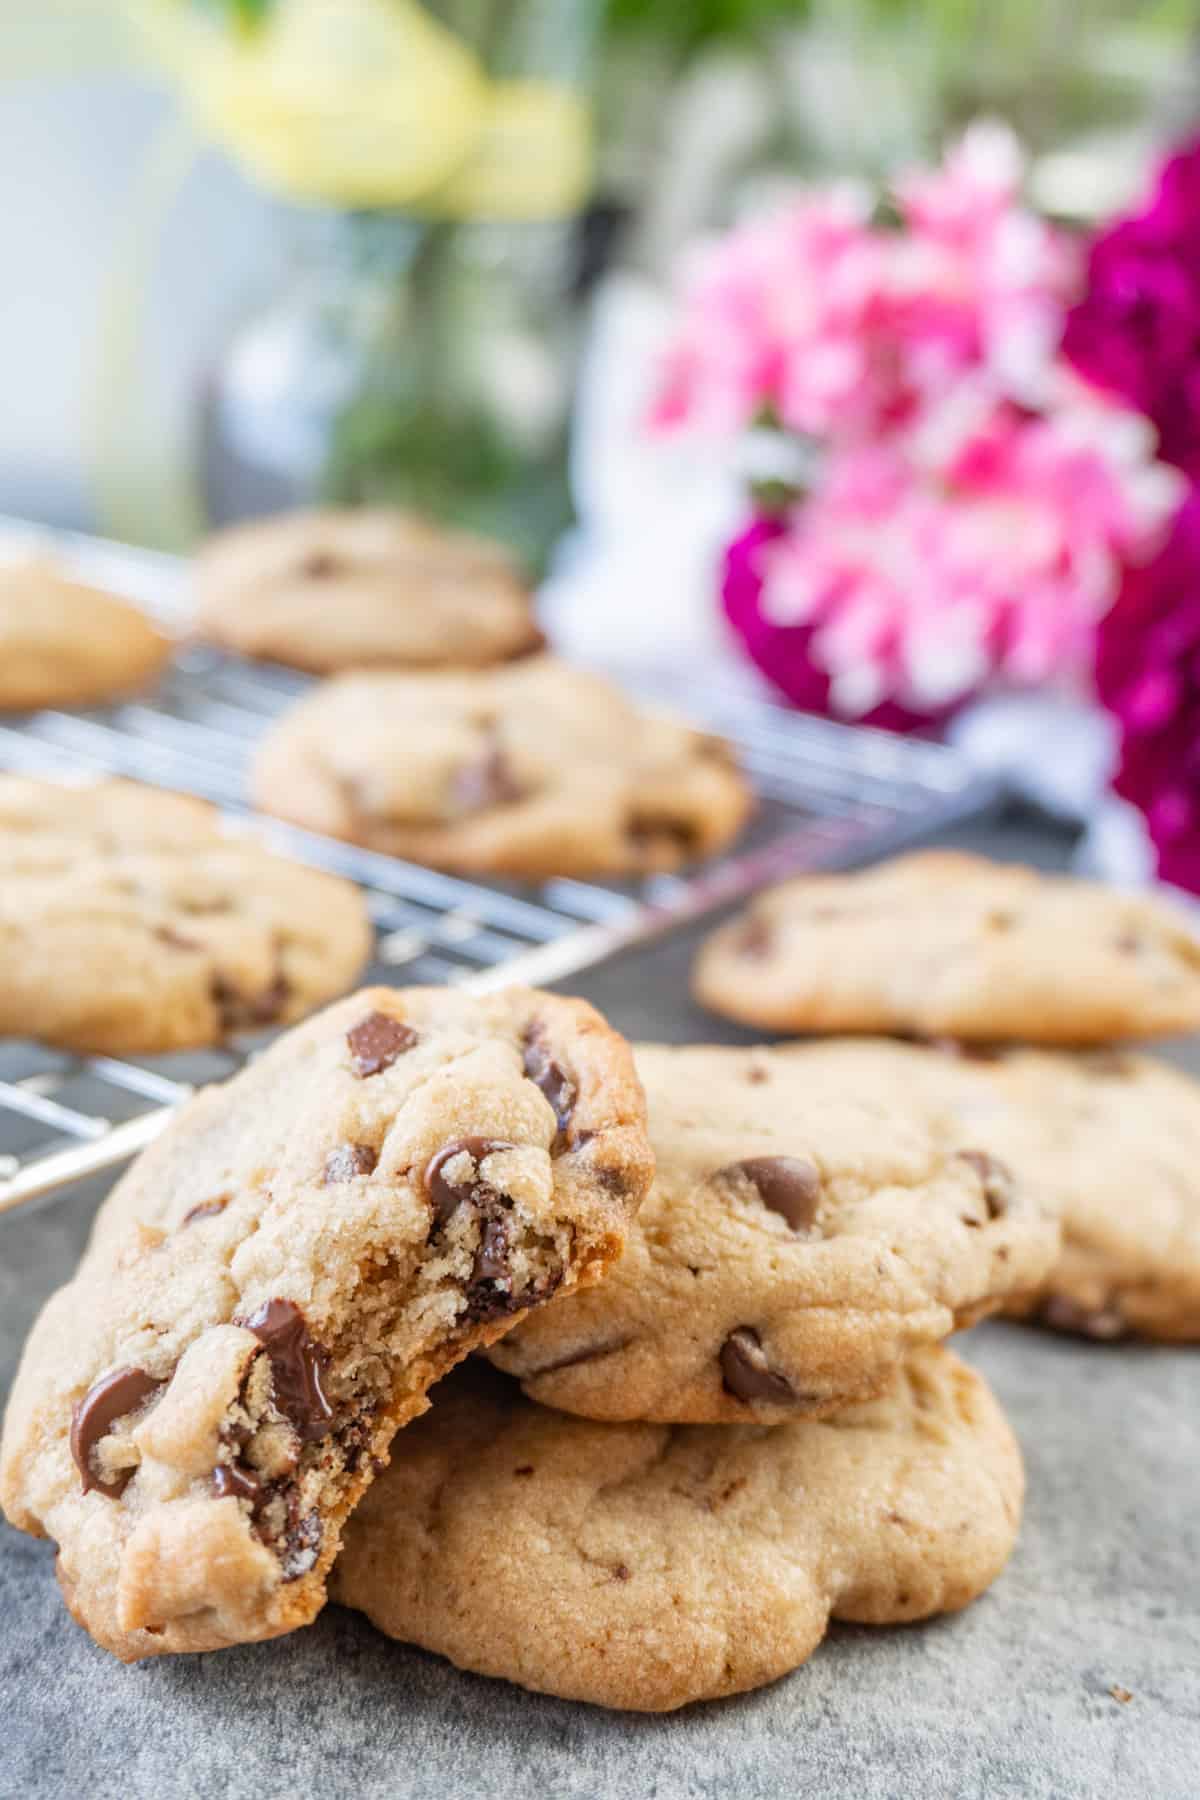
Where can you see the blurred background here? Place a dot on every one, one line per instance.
(453, 254)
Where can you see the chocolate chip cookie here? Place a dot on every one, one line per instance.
(812, 1220)
(532, 770)
(946, 943)
(1110, 1140)
(647, 1567)
(1116, 1139)
(274, 1285)
(130, 923)
(64, 644)
(335, 590)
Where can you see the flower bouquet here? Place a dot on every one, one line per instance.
(966, 439)
(938, 500)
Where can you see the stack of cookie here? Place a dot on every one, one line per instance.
(708, 1289)
(744, 1426)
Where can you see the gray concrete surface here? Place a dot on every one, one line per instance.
(1011, 1699)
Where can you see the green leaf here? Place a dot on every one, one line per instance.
(243, 15)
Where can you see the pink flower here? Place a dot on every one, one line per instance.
(975, 502)
(792, 289)
(840, 328)
(916, 577)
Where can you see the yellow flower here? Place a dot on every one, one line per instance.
(375, 103)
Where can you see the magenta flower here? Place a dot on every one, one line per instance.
(1148, 675)
(1136, 332)
(784, 653)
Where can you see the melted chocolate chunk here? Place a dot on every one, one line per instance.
(345, 1161)
(92, 1418)
(376, 1042)
(549, 1076)
(238, 1480)
(301, 1547)
(488, 781)
(489, 1291)
(491, 1258)
(354, 1439)
(995, 1178)
(297, 1364)
(746, 1372)
(787, 1184)
(1104, 1323)
(207, 1209)
(447, 1196)
(243, 1012)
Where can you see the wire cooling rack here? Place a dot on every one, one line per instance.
(828, 795)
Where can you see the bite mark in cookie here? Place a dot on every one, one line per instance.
(238, 1372)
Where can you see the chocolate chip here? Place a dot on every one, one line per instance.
(755, 940)
(238, 1480)
(354, 1438)
(207, 1209)
(301, 1547)
(298, 1365)
(488, 781)
(345, 1161)
(92, 1418)
(491, 1259)
(319, 564)
(1105, 1061)
(787, 1184)
(655, 832)
(524, 1469)
(245, 1012)
(447, 1196)
(961, 1049)
(376, 1042)
(995, 1178)
(549, 1076)
(1104, 1323)
(489, 1291)
(747, 1373)
(175, 940)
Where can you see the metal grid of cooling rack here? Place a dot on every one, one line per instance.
(828, 794)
